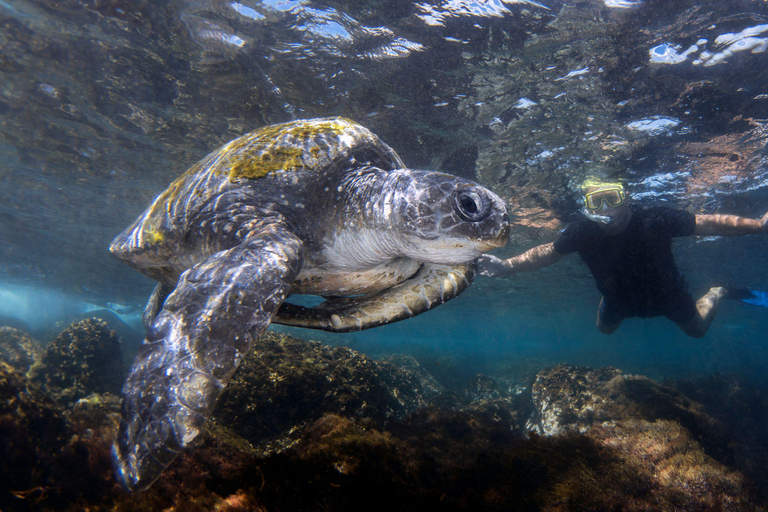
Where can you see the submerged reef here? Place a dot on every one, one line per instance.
(286, 384)
(85, 358)
(742, 410)
(18, 349)
(53, 457)
(307, 427)
(674, 448)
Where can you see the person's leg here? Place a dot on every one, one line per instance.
(607, 320)
(706, 309)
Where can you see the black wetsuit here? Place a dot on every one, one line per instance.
(635, 269)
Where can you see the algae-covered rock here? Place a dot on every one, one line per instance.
(653, 430)
(742, 408)
(429, 384)
(84, 359)
(52, 458)
(681, 475)
(32, 432)
(483, 387)
(644, 453)
(286, 383)
(18, 349)
(570, 398)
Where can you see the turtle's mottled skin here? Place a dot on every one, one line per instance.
(317, 207)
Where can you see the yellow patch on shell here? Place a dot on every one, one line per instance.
(153, 235)
(283, 148)
(252, 166)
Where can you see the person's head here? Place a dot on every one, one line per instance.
(606, 203)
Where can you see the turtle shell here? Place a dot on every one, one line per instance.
(301, 156)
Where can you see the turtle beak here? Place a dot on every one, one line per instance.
(500, 240)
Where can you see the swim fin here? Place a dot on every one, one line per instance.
(754, 297)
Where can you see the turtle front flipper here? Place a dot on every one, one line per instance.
(431, 286)
(195, 344)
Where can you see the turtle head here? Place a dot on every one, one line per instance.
(445, 219)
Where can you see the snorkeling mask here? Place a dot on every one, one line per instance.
(603, 197)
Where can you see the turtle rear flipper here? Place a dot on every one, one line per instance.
(155, 303)
(195, 344)
(431, 286)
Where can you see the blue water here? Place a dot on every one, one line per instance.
(102, 105)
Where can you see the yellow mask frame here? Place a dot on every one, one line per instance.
(611, 195)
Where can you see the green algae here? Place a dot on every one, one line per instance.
(277, 148)
(254, 166)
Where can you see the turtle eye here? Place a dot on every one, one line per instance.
(471, 205)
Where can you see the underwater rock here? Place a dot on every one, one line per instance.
(434, 459)
(84, 359)
(286, 383)
(51, 458)
(18, 349)
(130, 338)
(743, 410)
(570, 398)
(483, 387)
(565, 398)
(498, 399)
(429, 384)
(678, 471)
(467, 457)
(32, 432)
(9, 321)
(645, 447)
(347, 445)
(653, 430)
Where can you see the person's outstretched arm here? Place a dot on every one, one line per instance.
(728, 225)
(537, 257)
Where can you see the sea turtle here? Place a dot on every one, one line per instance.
(319, 207)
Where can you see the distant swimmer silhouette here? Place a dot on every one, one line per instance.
(628, 249)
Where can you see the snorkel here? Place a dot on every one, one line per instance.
(603, 219)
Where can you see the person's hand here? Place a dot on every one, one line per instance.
(764, 223)
(491, 266)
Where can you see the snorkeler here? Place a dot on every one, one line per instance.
(628, 249)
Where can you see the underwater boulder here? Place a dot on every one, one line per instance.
(33, 431)
(52, 458)
(678, 471)
(18, 349)
(429, 384)
(742, 407)
(286, 384)
(130, 337)
(9, 321)
(566, 398)
(570, 398)
(483, 387)
(681, 453)
(84, 359)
